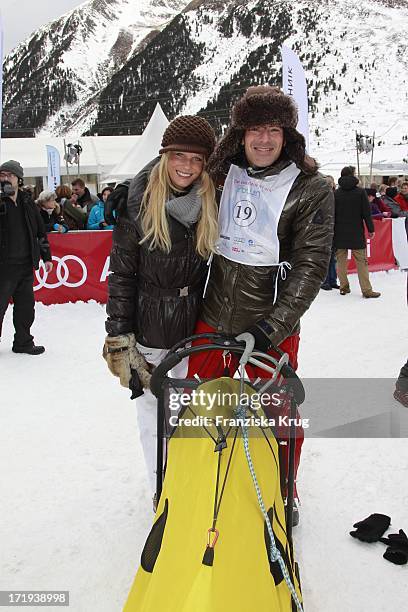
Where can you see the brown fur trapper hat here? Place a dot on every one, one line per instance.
(189, 133)
(259, 105)
(264, 104)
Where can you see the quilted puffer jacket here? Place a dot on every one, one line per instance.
(154, 294)
(241, 296)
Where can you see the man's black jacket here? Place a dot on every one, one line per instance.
(39, 246)
(351, 209)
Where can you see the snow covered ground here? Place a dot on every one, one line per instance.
(75, 505)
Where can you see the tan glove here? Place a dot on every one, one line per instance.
(142, 367)
(116, 352)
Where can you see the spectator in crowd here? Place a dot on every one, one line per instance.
(402, 197)
(84, 198)
(376, 213)
(23, 241)
(382, 199)
(388, 199)
(63, 194)
(330, 281)
(96, 219)
(393, 181)
(30, 189)
(50, 212)
(352, 210)
(75, 217)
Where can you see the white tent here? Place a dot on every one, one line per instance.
(387, 161)
(146, 149)
(99, 153)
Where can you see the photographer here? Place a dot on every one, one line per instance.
(23, 241)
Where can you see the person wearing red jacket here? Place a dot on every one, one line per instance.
(402, 197)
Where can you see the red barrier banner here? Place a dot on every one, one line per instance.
(81, 265)
(380, 254)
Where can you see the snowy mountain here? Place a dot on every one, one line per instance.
(52, 80)
(354, 54)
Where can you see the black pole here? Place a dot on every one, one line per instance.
(160, 436)
(291, 473)
(357, 150)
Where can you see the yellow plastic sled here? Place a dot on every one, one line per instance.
(236, 574)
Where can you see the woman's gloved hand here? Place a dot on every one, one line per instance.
(139, 364)
(125, 362)
(116, 352)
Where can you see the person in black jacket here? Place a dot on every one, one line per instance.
(352, 210)
(23, 241)
(158, 259)
(50, 212)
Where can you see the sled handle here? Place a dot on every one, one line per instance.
(174, 358)
(160, 372)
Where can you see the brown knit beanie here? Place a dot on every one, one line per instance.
(189, 133)
(263, 104)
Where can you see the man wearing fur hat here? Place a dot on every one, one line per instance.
(23, 241)
(275, 230)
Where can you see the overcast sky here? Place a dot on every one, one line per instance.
(21, 17)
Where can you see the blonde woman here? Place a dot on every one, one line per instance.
(161, 245)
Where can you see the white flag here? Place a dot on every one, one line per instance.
(54, 168)
(1, 73)
(294, 84)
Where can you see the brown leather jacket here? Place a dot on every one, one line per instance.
(239, 296)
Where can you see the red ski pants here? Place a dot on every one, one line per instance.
(211, 365)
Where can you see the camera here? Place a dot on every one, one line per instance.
(6, 189)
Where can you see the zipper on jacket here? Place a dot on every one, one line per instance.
(186, 278)
(234, 287)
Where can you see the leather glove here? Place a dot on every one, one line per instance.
(260, 332)
(397, 551)
(135, 385)
(117, 201)
(116, 352)
(371, 528)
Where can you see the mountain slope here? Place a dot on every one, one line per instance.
(353, 54)
(55, 76)
(204, 57)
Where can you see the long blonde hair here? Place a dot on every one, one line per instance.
(153, 211)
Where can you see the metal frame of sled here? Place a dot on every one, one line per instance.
(241, 347)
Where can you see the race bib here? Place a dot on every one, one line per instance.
(249, 214)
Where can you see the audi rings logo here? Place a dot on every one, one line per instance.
(62, 272)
